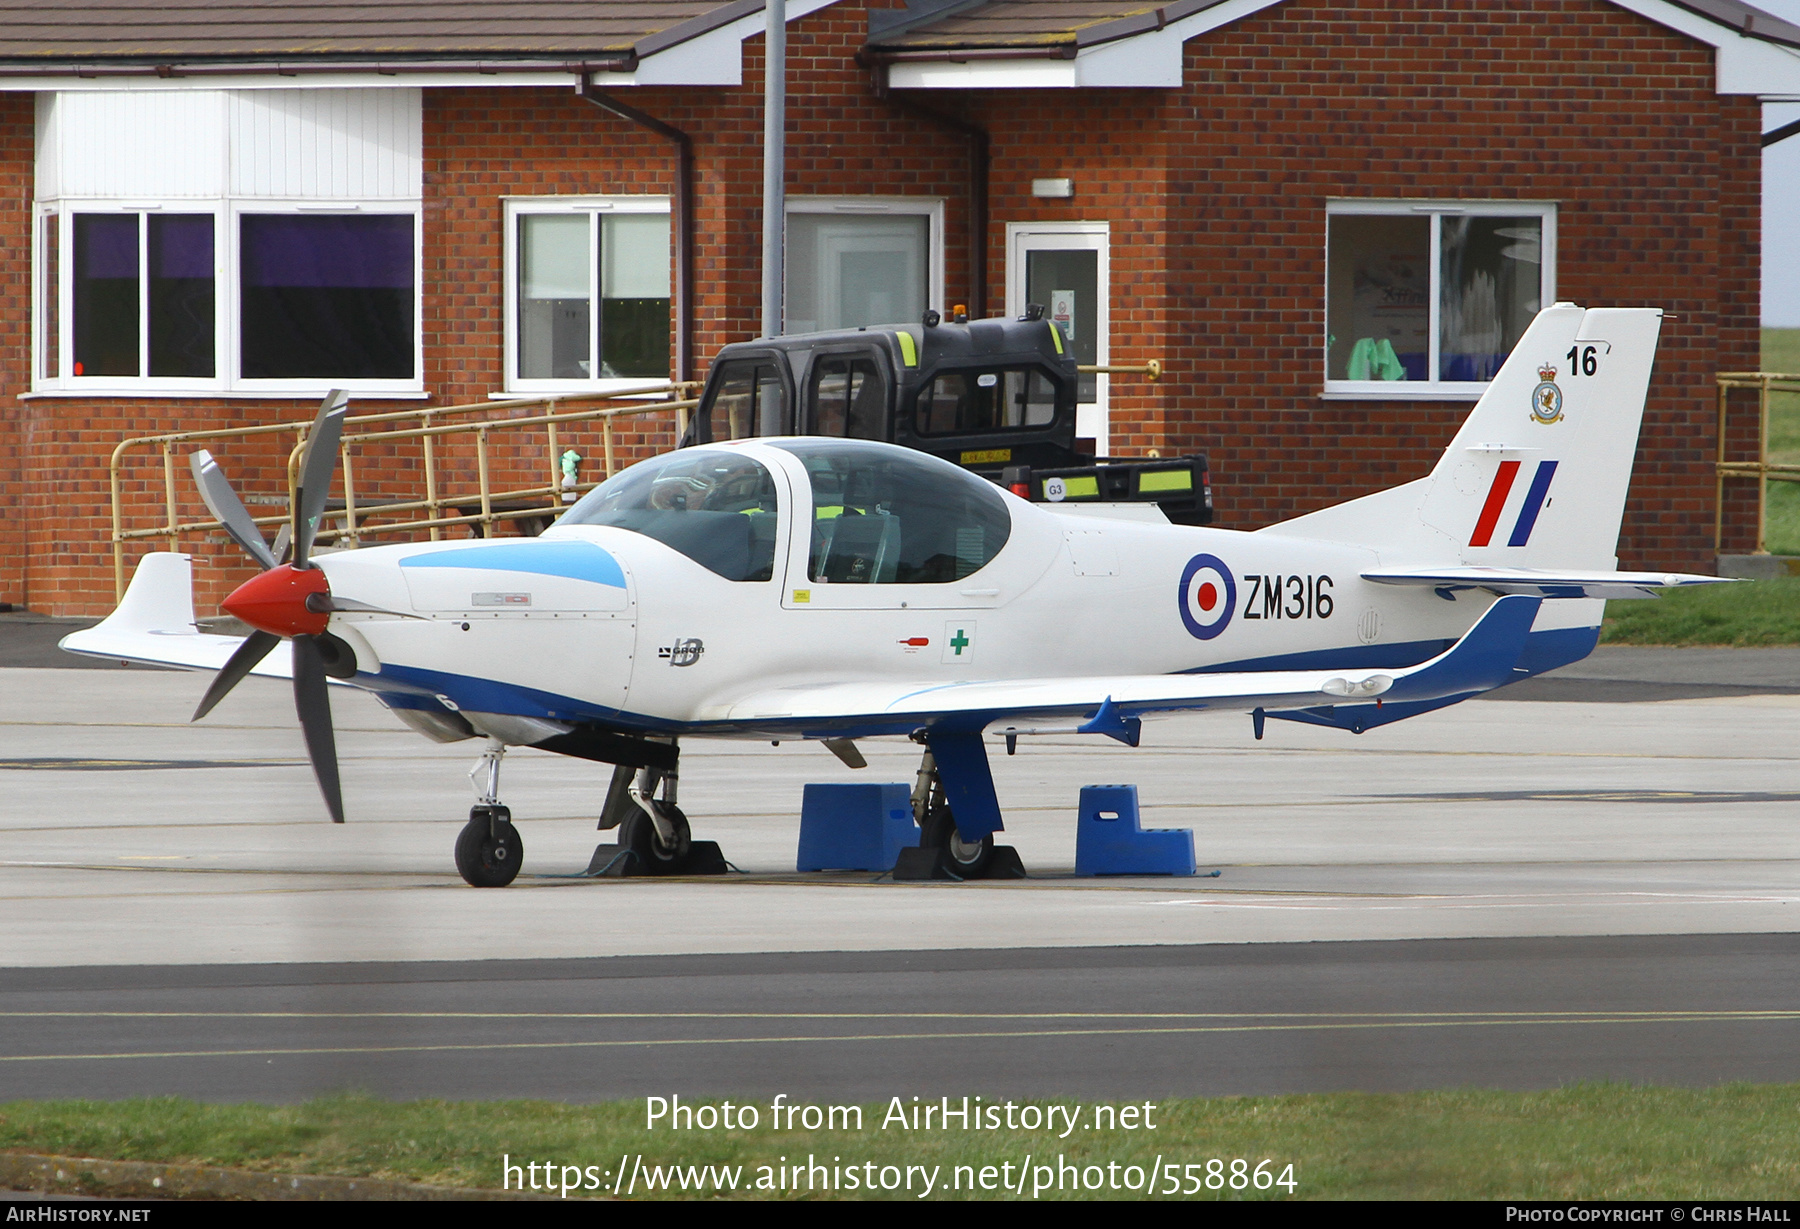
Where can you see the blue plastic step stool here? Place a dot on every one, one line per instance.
(855, 827)
(1108, 840)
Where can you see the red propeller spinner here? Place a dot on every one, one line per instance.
(275, 601)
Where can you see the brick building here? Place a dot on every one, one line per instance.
(1330, 221)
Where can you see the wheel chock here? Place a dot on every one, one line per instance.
(1108, 840)
(622, 862)
(855, 827)
(916, 864)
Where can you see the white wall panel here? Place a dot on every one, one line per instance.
(157, 145)
(360, 144)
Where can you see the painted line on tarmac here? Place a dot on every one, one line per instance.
(1576, 899)
(991, 1035)
(1773, 1013)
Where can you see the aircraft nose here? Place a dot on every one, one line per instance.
(276, 601)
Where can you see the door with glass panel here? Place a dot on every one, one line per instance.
(1063, 269)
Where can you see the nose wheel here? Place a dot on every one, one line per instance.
(489, 849)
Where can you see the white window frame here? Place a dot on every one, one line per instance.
(929, 207)
(595, 207)
(227, 305)
(1093, 420)
(1433, 389)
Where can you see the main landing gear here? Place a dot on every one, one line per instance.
(488, 849)
(654, 836)
(946, 849)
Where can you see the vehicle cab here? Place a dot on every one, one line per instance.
(995, 396)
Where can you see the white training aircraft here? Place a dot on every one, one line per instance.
(835, 589)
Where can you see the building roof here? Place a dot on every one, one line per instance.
(1069, 25)
(190, 31)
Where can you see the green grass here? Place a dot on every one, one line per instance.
(1781, 353)
(1748, 614)
(1595, 1141)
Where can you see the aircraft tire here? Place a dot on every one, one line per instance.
(485, 862)
(968, 860)
(638, 834)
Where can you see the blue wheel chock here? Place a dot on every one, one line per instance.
(855, 827)
(1108, 840)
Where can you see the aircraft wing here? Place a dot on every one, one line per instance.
(1546, 582)
(1484, 658)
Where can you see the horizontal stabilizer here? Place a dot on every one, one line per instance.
(154, 625)
(1545, 582)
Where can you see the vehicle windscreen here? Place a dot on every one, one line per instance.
(884, 515)
(972, 401)
(748, 400)
(717, 508)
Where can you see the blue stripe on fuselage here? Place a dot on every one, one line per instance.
(574, 560)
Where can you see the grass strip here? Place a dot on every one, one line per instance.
(1587, 1141)
(1749, 614)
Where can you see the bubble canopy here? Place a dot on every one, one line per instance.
(880, 514)
(888, 515)
(716, 507)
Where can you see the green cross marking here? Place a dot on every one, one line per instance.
(959, 642)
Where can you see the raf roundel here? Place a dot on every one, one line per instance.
(1208, 596)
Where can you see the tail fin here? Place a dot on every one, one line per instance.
(1537, 475)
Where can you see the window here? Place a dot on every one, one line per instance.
(142, 295)
(1003, 400)
(1427, 299)
(244, 241)
(849, 397)
(749, 400)
(588, 292)
(889, 516)
(325, 297)
(861, 260)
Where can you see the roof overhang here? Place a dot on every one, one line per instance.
(1754, 55)
(1146, 53)
(707, 50)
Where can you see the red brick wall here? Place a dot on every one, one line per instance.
(1215, 195)
(17, 431)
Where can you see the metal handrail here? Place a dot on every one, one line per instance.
(355, 517)
(1761, 469)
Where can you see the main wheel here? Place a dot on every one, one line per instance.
(969, 859)
(655, 857)
(488, 852)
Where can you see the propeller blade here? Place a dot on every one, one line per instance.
(228, 509)
(284, 537)
(256, 646)
(314, 707)
(315, 472)
(326, 603)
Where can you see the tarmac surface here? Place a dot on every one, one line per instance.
(174, 897)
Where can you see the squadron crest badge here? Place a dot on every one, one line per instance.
(1546, 398)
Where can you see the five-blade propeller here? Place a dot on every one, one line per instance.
(288, 601)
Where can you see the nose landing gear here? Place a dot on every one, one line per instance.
(488, 849)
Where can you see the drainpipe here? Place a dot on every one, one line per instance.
(682, 207)
(979, 164)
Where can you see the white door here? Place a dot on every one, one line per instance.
(1063, 268)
